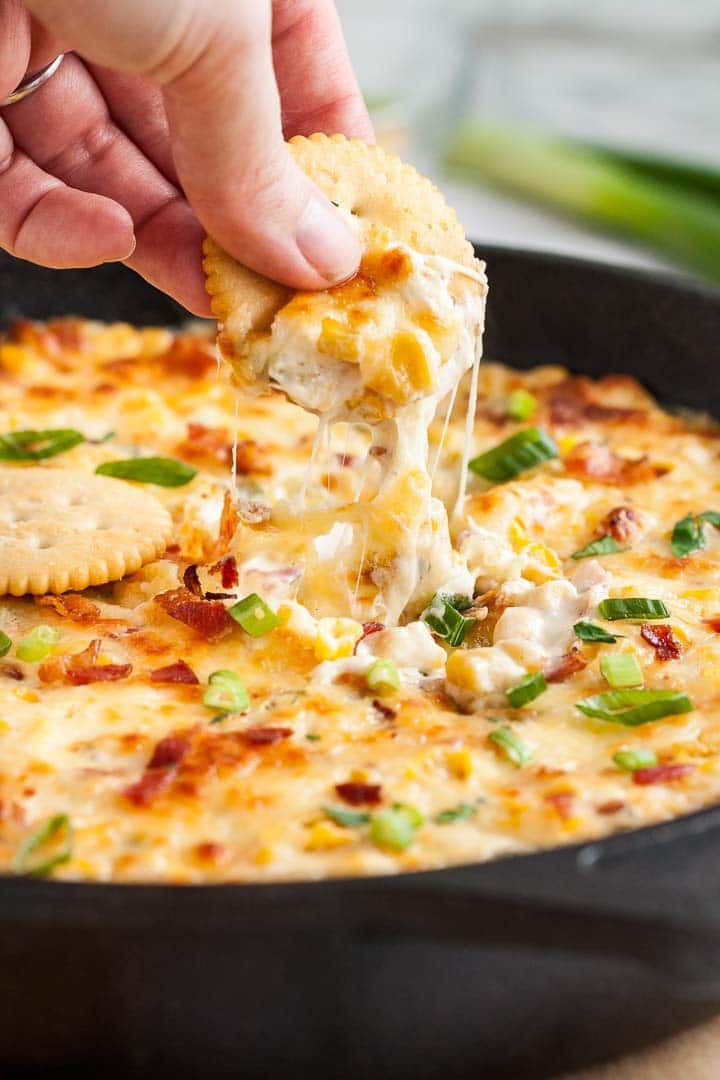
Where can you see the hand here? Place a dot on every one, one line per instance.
(168, 122)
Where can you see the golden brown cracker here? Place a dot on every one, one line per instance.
(371, 183)
(63, 530)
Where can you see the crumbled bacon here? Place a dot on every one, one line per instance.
(368, 629)
(71, 606)
(229, 521)
(621, 523)
(191, 580)
(562, 803)
(228, 571)
(357, 794)
(179, 672)
(209, 444)
(208, 618)
(265, 736)
(9, 670)
(385, 710)
(562, 667)
(158, 775)
(662, 639)
(571, 404)
(658, 774)
(82, 668)
(713, 622)
(188, 356)
(596, 461)
(612, 806)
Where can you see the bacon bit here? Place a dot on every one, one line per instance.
(563, 667)
(208, 618)
(714, 623)
(612, 806)
(658, 774)
(212, 852)
(71, 606)
(621, 523)
(191, 580)
(384, 710)
(70, 332)
(663, 641)
(82, 668)
(9, 670)
(265, 736)
(345, 461)
(228, 571)
(206, 444)
(158, 775)
(562, 803)
(179, 672)
(359, 794)
(188, 356)
(595, 461)
(571, 404)
(368, 629)
(229, 522)
(251, 457)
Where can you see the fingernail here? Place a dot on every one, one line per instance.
(326, 241)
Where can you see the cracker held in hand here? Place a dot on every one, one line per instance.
(388, 200)
(63, 530)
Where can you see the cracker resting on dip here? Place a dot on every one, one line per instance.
(381, 350)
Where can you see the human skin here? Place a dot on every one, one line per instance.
(169, 120)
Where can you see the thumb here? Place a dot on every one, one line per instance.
(214, 65)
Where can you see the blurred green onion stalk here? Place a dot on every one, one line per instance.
(670, 205)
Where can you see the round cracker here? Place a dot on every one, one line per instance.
(371, 183)
(63, 530)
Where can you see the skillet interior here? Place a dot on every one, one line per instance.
(448, 944)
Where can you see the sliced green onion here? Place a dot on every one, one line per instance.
(687, 536)
(38, 445)
(348, 818)
(632, 760)
(514, 749)
(633, 607)
(444, 618)
(522, 451)
(225, 693)
(605, 545)
(163, 471)
(312, 736)
(35, 855)
(588, 631)
(521, 405)
(621, 670)
(662, 205)
(633, 707)
(383, 677)
(455, 813)
(37, 644)
(527, 690)
(254, 615)
(711, 516)
(394, 829)
(5, 643)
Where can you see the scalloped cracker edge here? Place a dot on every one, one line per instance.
(369, 182)
(62, 530)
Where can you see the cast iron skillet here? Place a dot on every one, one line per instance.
(516, 968)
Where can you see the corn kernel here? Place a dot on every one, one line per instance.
(460, 763)
(567, 443)
(336, 638)
(517, 536)
(461, 670)
(325, 835)
(337, 341)
(547, 564)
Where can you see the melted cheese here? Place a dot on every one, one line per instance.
(234, 809)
